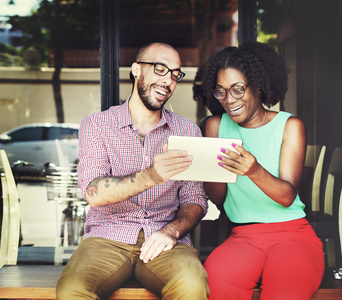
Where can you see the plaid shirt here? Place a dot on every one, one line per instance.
(109, 146)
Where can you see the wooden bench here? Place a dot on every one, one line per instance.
(39, 281)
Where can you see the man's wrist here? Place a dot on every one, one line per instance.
(147, 178)
(174, 233)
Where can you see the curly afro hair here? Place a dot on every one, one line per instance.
(260, 64)
(203, 93)
(263, 69)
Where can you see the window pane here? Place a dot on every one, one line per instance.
(270, 15)
(49, 73)
(49, 61)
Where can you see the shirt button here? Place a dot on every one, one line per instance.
(147, 160)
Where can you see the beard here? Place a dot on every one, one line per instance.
(144, 92)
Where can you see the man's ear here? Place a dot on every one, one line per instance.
(135, 68)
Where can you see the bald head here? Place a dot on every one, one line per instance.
(149, 52)
(143, 50)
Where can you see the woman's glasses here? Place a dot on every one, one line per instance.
(237, 91)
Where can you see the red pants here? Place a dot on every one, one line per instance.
(286, 258)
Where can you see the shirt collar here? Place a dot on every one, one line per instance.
(125, 117)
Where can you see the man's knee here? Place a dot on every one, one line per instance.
(175, 274)
(71, 287)
(189, 283)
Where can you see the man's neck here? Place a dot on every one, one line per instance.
(143, 119)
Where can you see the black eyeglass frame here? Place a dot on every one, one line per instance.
(229, 90)
(154, 64)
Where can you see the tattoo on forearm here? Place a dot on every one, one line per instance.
(132, 177)
(94, 185)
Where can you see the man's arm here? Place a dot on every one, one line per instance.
(107, 190)
(166, 238)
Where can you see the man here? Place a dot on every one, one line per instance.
(138, 219)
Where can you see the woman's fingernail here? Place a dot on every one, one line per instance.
(219, 157)
(233, 145)
(220, 164)
(223, 150)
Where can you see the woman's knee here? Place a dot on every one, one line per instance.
(230, 274)
(301, 272)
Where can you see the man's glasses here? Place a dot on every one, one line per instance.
(237, 91)
(162, 70)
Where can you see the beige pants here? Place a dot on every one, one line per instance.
(100, 266)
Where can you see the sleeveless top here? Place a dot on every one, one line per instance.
(245, 202)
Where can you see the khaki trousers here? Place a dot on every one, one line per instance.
(100, 266)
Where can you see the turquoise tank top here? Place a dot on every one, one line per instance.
(245, 202)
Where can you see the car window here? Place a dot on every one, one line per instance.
(57, 133)
(27, 134)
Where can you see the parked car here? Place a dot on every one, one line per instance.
(31, 146)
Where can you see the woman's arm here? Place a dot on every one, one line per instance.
(216, 191)
(282, 190)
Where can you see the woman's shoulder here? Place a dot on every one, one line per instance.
(294, 127)
(212, 126)
(293, 123)
(290, 119)
(283, 117)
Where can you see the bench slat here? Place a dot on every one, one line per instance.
(39, 282)
(130, 293)
(33, 282)
(50, 293)
(133, 294)
(28, 293)
(331, 294)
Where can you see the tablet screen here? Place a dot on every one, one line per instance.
(204, 151)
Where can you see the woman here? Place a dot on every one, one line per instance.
(271, 243)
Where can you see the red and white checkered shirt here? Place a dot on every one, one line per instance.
(109, 146)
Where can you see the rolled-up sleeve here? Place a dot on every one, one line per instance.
(193, 192)
(92, 154)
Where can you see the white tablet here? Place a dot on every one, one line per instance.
(204, 151)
